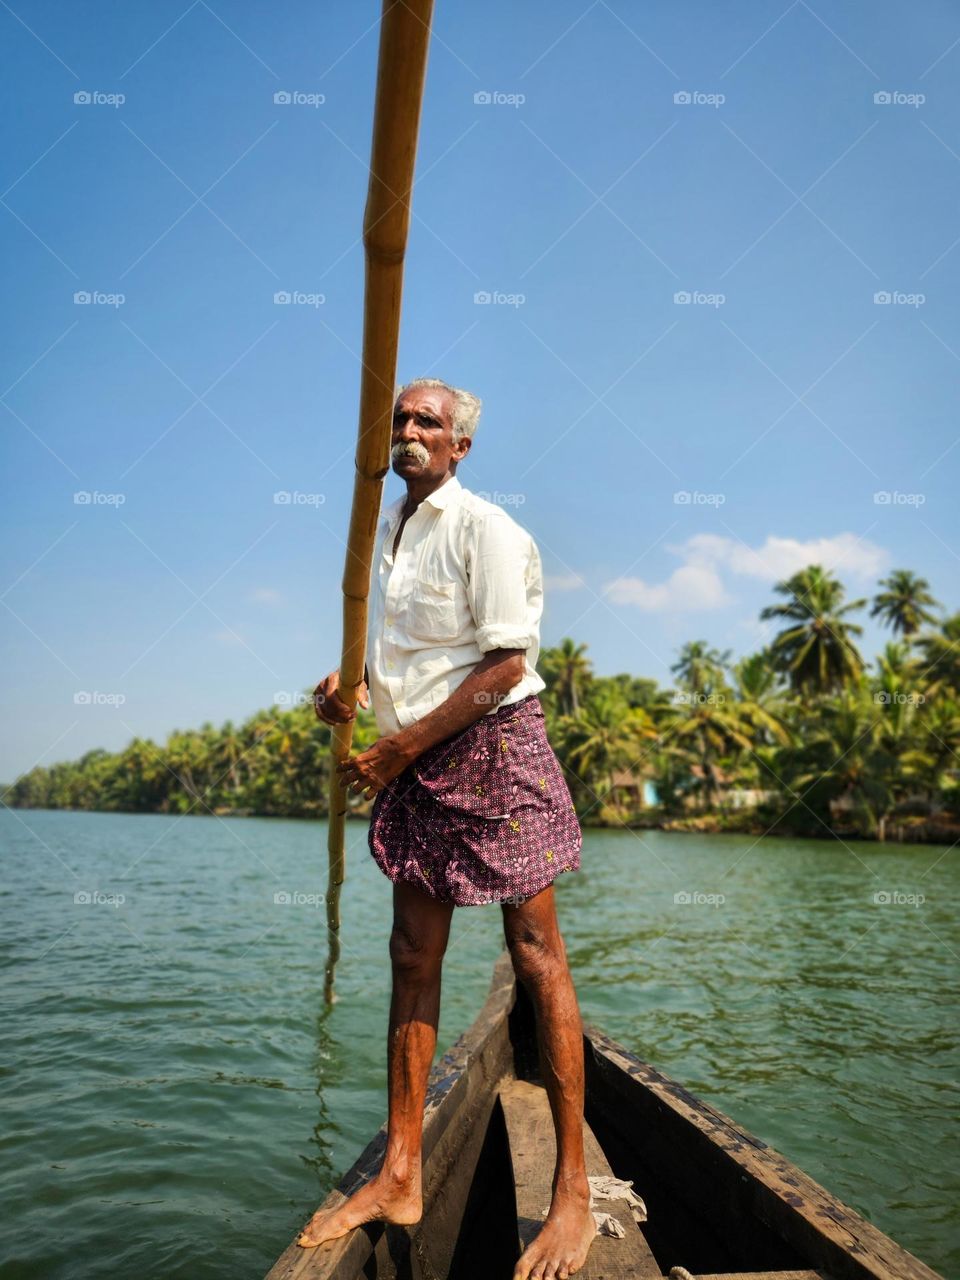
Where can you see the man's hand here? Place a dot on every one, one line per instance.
(330, 708)
(371, 770)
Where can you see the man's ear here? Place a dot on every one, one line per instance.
(466, 442)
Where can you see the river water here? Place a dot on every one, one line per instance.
(176, 1104)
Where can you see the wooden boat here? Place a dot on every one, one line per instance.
(720, 1202)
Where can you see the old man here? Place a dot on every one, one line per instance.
(470, 805)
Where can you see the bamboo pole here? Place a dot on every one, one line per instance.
(401, 71)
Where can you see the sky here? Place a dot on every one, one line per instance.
(701, 262)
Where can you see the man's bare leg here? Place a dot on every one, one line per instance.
(540, 963)
(421, 927)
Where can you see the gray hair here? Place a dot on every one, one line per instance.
(466, 406)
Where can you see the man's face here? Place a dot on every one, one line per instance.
(422, 444)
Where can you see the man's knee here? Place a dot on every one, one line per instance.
(538, 958)
(411, 954)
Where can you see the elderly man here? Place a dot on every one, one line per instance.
(470, 804)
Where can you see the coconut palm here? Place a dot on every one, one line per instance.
(607, 735)
(937, 746)
(895, 663)
(846, 759)
(567, 673)
(700, 669)
(708, 728)
(905, 603)
(940, 656)
(815, 652)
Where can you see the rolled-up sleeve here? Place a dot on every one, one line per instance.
(504, 583)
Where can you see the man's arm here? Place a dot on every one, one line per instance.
(491, 680)
(494, 676)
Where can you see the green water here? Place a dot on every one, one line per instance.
(174, 1105)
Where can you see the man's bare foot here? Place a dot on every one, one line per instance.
(382, 1199)
(564, 1240)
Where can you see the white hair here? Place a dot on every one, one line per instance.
(466, 406)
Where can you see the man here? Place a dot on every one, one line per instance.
(470, 803)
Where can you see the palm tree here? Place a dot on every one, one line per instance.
(941, 656)
(848, 757)
(938, 746)
(699, 669)
(607, 735)
(567, 673)
(763, 706)
(710, 727)
(815, 653)
(895, 662)
(905, 603)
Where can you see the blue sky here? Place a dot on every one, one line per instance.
(780, 196)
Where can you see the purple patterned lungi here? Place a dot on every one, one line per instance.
(484, 816)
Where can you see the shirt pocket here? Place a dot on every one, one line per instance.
(432, 611)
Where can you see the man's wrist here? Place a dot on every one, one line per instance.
(406, 742)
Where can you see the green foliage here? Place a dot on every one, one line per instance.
(799, 737)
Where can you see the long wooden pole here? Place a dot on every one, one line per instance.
(401, 71)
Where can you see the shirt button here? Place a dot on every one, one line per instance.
(390, 622)
(390, 665)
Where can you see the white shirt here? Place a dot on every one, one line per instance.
(467, 579)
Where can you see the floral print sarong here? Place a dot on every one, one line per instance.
(484, 816)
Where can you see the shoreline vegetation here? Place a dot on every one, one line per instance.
(802, 738)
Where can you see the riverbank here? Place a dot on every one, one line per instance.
(943, 828)
(940, 828)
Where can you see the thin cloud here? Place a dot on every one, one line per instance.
(690, 589)
(698, 585)
(777, 558)
(563, 582)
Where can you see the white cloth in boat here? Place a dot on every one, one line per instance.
(467, 579)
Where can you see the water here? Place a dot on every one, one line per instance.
(176, 1105)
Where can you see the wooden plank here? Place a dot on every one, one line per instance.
(533, 1150)
(739, 1184)
(765, 1275)
(462, 1085)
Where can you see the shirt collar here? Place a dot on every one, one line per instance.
(444, 494)
(440, 498)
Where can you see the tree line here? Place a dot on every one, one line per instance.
(802, 737)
